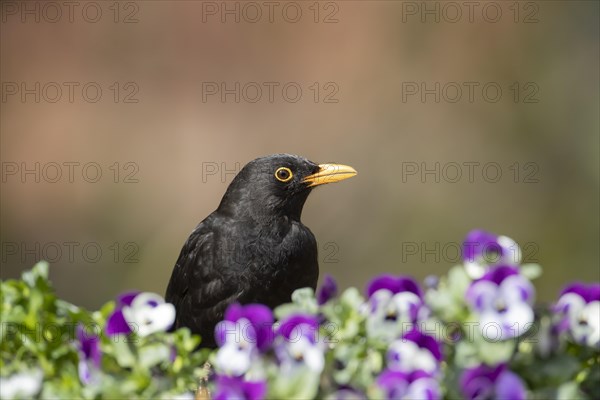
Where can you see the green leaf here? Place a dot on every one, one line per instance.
(568, 391)
(466, 355)
(458, 281)
(493, 353)
(284, 310)
(154, 354)
(300, 385)
(305, 298)
(39, 271)
(123, 351)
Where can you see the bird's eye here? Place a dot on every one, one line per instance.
(283, 174)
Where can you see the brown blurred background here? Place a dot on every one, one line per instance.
(166, 143)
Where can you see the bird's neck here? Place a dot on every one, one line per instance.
(260, 210)
(259, 216)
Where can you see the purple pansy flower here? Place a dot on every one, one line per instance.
(394, 305)
(244, 332)
(485, 382)
(298, 344)
(502, 298)
(90, 356)
(254, 321)
(327, 291)
(482, 249)
(579, 310)
(230, 388)
(414, 351)
(144, 313)
(416, 385)
(395, 284)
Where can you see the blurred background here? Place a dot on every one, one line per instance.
(123, 123)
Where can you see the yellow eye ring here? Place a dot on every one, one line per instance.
(284, 174)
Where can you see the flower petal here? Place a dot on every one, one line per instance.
(499, 273)
(588, 293)
(481, 295)
(475, 270)
(259, 316)
(126, 298)
(146, 299)
(21, 385)
(327, 291)
(475, 244)
(517, 320)
(510, 386)
(255, 390)
(407, 356)
(407, 305)
(570, 303)
(228, 388)
(424, 389)
(149, 319)
(234, 358)
(594, 292)
(578, 288)
(425, 342)
(89, 346)
(394, 284)
(116, 324)
(299, 325)
(510, 250)
(479, 382)
(393, 383)
(517, 288)
(313, 356)
(591, 313)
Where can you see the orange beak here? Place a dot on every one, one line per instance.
(330, 173)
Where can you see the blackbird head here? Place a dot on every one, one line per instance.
(278, 185)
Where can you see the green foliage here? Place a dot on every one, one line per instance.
(38, 332)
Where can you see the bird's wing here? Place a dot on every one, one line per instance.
(180, 278)
(198, 288)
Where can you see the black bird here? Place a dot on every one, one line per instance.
(253, 248)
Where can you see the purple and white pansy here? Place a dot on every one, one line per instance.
(244, 332)
(415, 351)
(485, 382)
(482, 250)
(298, 344)
(143, 313)
(397, 385)
(395, 304)
(502, 299)
(579, 313)
(90, 355)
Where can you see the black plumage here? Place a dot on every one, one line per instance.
(253, 248)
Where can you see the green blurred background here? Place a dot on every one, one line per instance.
(181, 142)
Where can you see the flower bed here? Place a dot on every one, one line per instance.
(474, 333)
